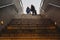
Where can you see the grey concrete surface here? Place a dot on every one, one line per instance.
(9, 12)
(52, 12)
(5, 2)
(45, 4)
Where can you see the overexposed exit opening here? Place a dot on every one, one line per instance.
(28, 3)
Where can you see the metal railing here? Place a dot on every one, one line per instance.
(54, 5)
(41, 4)
(6, 5)
(21, 5)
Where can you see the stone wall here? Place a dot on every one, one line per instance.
(52, 11)
(7, 13)
(45, 4)
(5, 2)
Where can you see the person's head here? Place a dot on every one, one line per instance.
(31, 4)
(27, 7)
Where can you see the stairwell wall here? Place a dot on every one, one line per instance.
(53, 12)
(7, 13)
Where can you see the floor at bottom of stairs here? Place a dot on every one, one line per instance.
(30, 37)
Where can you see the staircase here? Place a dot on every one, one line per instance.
(30, 27)
(31, 24)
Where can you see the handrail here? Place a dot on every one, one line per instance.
(54, 5)
(20, 1)
(41, 4)
(6, 5)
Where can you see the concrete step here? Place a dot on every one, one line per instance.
(28, 16)
(32, 21)
(30, 37)
(31, 27)
(25, 31)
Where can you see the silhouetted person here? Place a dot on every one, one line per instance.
(28, 10)
(33, 10)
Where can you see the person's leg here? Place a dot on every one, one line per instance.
(35, 12)
(32, 12)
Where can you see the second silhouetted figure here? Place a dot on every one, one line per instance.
(33, 10)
